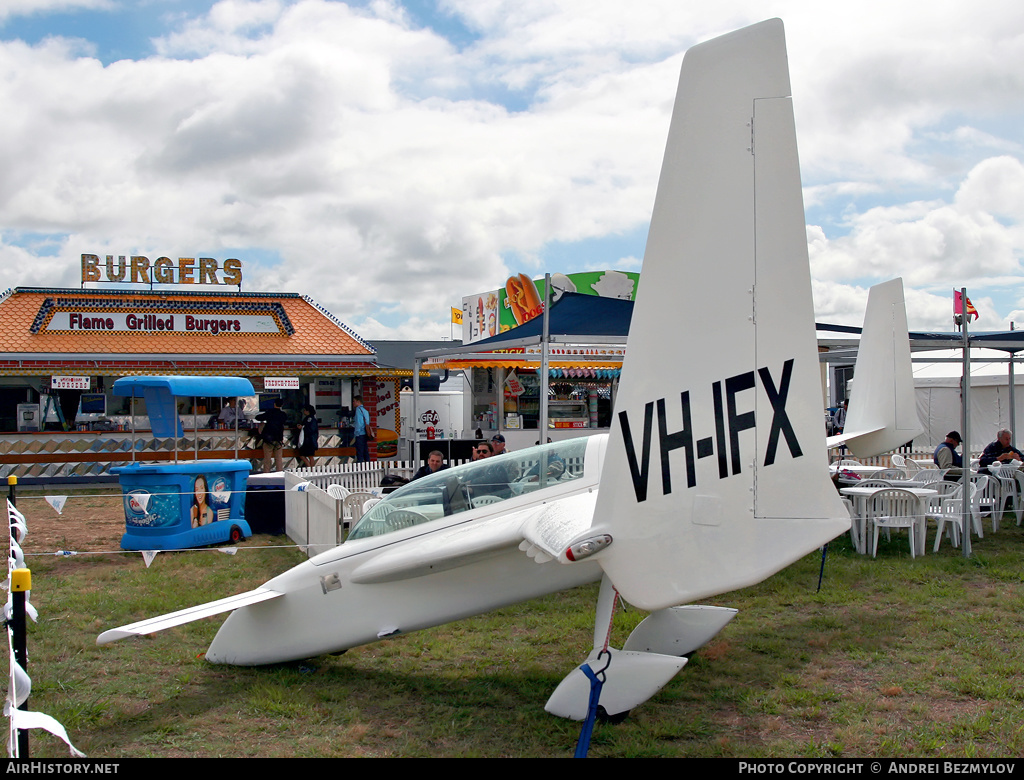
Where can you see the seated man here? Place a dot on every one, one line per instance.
(1000, 450)
(491, 481)
(435, 463)
(946, 456)
(228, 414)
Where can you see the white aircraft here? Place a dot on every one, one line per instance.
(714, 475)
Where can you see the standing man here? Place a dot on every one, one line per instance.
(435, 463)
(839, 418)
(363, 431)
(273, 436)
(498, 444)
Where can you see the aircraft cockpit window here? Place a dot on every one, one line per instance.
(473, 485)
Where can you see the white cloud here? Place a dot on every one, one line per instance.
(976, 240)
(378, 160)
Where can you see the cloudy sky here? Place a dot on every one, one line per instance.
(389, 157)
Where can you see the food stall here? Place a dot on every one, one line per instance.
(181, 504)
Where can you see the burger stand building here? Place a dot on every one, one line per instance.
(503, 352)
(62, 349)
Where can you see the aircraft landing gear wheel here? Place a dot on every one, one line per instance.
(604, 717)
(236, 534)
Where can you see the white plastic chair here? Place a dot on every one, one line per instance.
(893, 475)
(1019, 509)
(403, 518)
(989, 494)
(352, 506)
(1005, 489)
(978, 501)
(949, 512)
(929, 476)
(874, 483)
(338, 491)
(943, 490)
(894, 508)
(854, 525)
(899, 462)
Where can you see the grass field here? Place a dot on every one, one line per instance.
(893, 658)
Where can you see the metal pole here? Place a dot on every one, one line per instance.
(414, 438)
(542, 423)
(195, 424)
(965, 503)
(499, 372)
(1013, 395)
(131, 409)
(21, 584)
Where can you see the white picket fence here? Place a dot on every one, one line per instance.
(313, 518)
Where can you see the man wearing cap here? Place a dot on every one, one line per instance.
(498, 444)
(946, 456)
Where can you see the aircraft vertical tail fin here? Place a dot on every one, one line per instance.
(883, 409)
(715, 475)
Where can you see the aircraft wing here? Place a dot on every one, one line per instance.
(180, 617)
(839, 440)
(543, 532)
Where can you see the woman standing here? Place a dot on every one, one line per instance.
(309, 436)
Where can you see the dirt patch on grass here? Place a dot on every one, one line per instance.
(87, 523)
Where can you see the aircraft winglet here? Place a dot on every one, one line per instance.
(883, 410)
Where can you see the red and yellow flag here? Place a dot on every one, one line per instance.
(958, 307)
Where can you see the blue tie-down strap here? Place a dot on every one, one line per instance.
(596, 684)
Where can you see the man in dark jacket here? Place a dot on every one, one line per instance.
(1000, 450)
(435, 463)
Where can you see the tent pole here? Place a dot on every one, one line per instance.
(965, 503)
(542, 422)
(414, 438)
(1013, 395)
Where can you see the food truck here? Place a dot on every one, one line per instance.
(181, 504)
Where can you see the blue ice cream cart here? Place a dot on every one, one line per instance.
(172, 506)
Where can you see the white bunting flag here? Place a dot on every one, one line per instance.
(57, 502)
